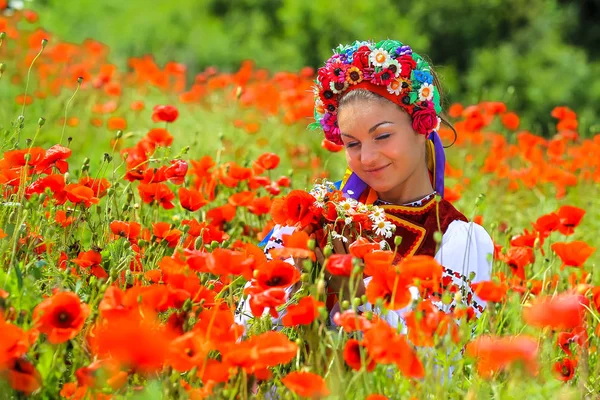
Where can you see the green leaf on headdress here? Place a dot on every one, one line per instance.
(416, 85)
(414, 95)
(436, 101)
(388, 45)
(313, 126)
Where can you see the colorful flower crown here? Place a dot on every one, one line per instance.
(389, 69)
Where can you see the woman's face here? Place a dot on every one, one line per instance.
(382, 148)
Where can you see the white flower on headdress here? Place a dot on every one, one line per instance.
(439, 122)
(384, 228)
(426, 92)
(396, 64)
(332, 86)
(379, 57)
(395, 87)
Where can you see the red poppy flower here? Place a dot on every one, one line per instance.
(62, 219)
(490, 290)
(158, 137)
(306, 384)
(157, 192)
(570, 217)
(294, 245)
(276, 273)
(60, 316)
(573, 254)
(260, 205)
(379, 260)
(130, 230)
(564, 370)
(350, 321)
(16, 158)
(330, 146)
(261, 299)
(166, 113)
(99, 373)
(422, 268)
(191, 199)
(188, 351)
(352, 356)
(56, 184)
(266, 161)
(91, 260)
(495, 354)
(295, 208)
(564, 340)
(219, 215)
(390, 287)
(237, 172)
(99, 186)
(163, 231)
(77, 193)
(362, 246)
(176, 171)
(55, 157)
(303, 313)
(426, 322)
(14, 344)
(517, 259)
(241, 199)
(340, 264)
(22, 376)
(563, 311)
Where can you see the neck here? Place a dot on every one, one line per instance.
(413, 189)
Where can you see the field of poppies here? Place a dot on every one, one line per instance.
(133, 202)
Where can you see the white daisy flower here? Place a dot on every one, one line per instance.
(377, 213)
(395, 87)
(335, 235)
(362, 208)
(379, 57)
(346, 206)
(393, 61)
(426, 92)
(384, 228)
(348, 221)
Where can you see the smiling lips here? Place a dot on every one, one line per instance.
(377, 169)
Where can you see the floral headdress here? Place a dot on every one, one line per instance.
(392, 70)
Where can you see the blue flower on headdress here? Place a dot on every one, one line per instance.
(423, 76)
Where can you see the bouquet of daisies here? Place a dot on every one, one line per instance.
(331, 215)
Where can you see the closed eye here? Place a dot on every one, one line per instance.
(350, 145)
(382, 137)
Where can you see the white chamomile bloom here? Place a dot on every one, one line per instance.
(439, 122)
(362, 208)
(377, 214)
(348, 220)
(346, 206)
(426, 92)
(379, 57)
(395, 87)
(335, 235)
(384, 228)
(394, 62)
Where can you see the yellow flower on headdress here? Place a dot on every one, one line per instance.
(354, 75)
(426, 92)
(379, 57)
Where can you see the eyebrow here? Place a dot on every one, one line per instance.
(377, 125)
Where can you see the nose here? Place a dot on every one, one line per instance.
(368, 156)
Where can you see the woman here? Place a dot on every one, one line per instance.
(382, 102)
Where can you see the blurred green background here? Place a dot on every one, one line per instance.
(532, 54)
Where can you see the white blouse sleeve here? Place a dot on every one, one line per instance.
(466, 253)
(243, 314)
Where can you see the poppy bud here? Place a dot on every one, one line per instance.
(345, 305)
(92, 281)
(479, 199)
(311, 244)
(44, 43)
(307, 265)
(79, 80)
(437, 236)
(321, 286)
(356, 302)
(397, 240)
(304, 277)
(446, 298)
(2, 35)
(27, 157)
(458, 297)
(187, 305)
(41, 121)
(214, 244)
(327, 251)
(2, 68)
(119, 134)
